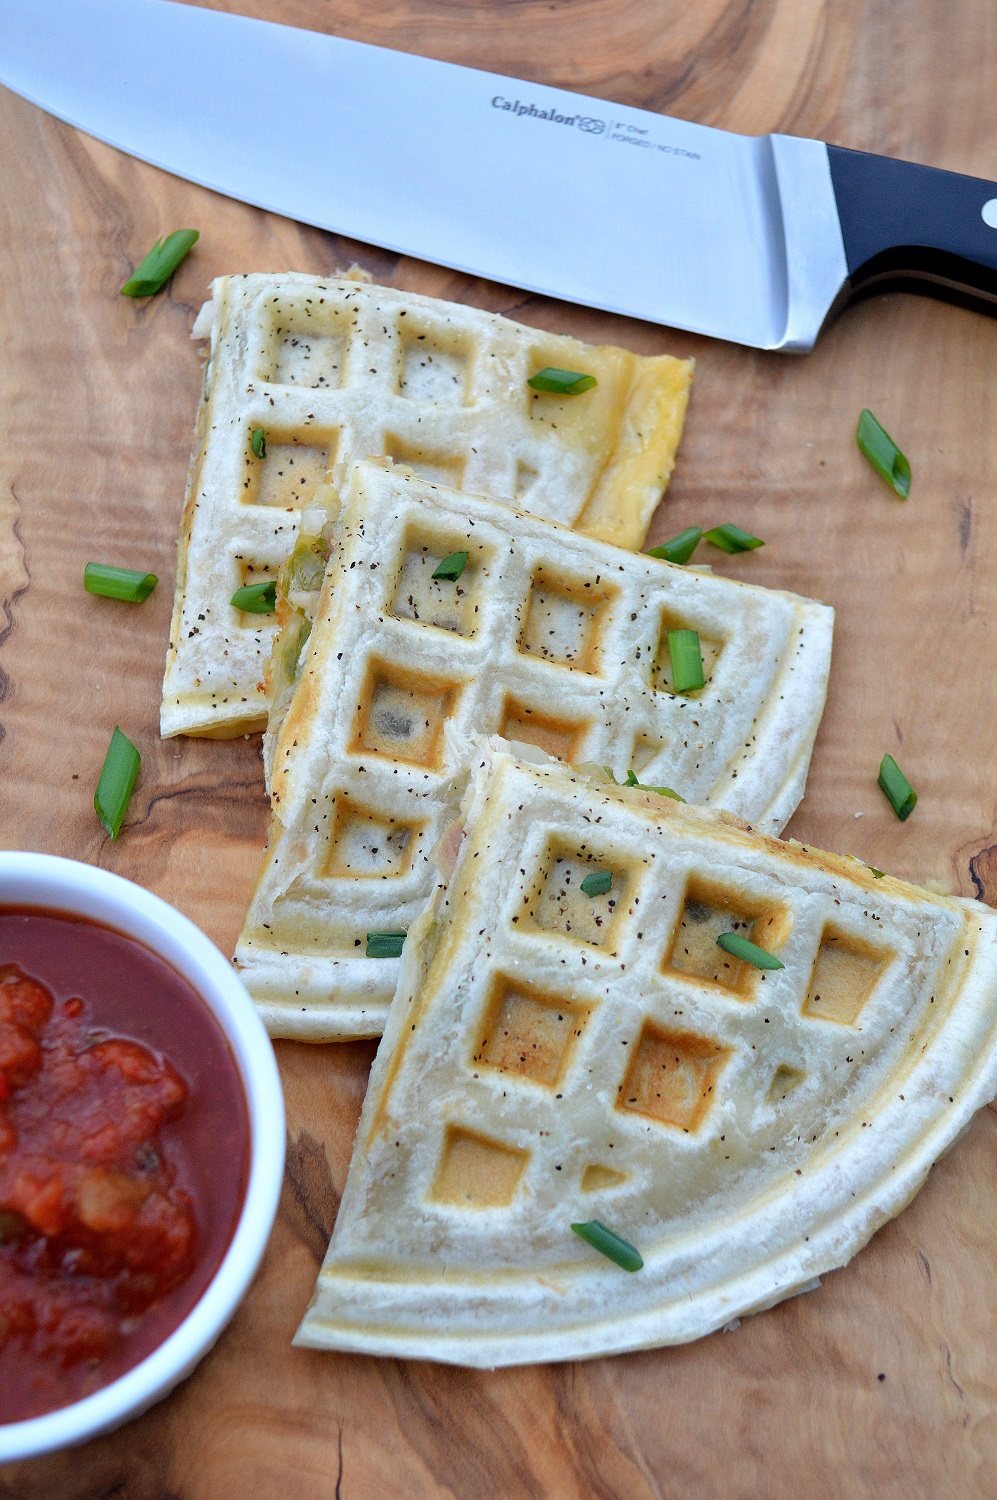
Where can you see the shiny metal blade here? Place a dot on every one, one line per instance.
(569, 196)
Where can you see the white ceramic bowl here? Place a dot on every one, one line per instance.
(64, 885)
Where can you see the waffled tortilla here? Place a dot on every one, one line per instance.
(336, 370)
(547, 637)
(552, 1058)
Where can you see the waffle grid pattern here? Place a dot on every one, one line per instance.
(660, 1062)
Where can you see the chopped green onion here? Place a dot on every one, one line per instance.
(899, 792)
(876, 874)
(160, 263)
(117, 778)
(561, 382)
(598, 883)
(730, 538)
(294, 647)
(451, 567)
(385, 944)
(256, 598)
(687, 660)
(305, 568)
(742, 947)
(883, 453)
(679, 548)
(258, 442)
(610, 1245)
(662, 791)
(118, 583)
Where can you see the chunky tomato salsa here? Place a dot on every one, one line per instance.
(124, 1151)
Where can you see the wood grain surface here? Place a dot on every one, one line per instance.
(883, 1383)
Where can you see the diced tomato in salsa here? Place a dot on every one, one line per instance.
(96, 1226)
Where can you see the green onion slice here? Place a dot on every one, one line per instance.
(730, 538)
(876, 874)
(295, 645)
(679, 548)
(662, 791)
(118, 583)
(687, 660)
(160, 263)
(256, 598)
(12, 1227)
(258, 442)
(117, 778)
(742, 947)
(883, 453)
(610, 1245)
(598, 883)
(305, 568)
(451, 567)
(561, 382)
(385, 944)
(899, 792)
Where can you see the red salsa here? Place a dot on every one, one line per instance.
(124, 1154)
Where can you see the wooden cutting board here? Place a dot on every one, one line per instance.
(883, 1383)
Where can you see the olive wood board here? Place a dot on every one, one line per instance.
(883, 1382)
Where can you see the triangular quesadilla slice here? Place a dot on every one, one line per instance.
(306, 375)
(544, 636)
(577, 1077)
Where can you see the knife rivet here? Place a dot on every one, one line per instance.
(988, 213)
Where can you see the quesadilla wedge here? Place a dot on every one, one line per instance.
(544, 636)
(306, 375)
(573, 1055)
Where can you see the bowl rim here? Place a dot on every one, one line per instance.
(59, 884)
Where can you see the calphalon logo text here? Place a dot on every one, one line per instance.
(584, 122)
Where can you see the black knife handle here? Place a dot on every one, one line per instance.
(916, 228)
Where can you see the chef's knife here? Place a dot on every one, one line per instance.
(757, 239)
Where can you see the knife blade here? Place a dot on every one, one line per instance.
(753, 239)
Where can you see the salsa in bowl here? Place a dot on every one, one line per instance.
(141, 1149)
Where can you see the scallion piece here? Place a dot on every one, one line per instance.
(561, 382)
(876, 874)
(679, 548)
(598, 883)
(158, 266)
(117, 778)
(385, 944)
(883, 453)
(742, 947)
(621, 1252)
(305, 568)
(451, 567)
(294, 648)
(687, 660)
(118, 583)
(256, 598)
(258, 442)
(662, 791)
(730, 538)
(899, 792)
